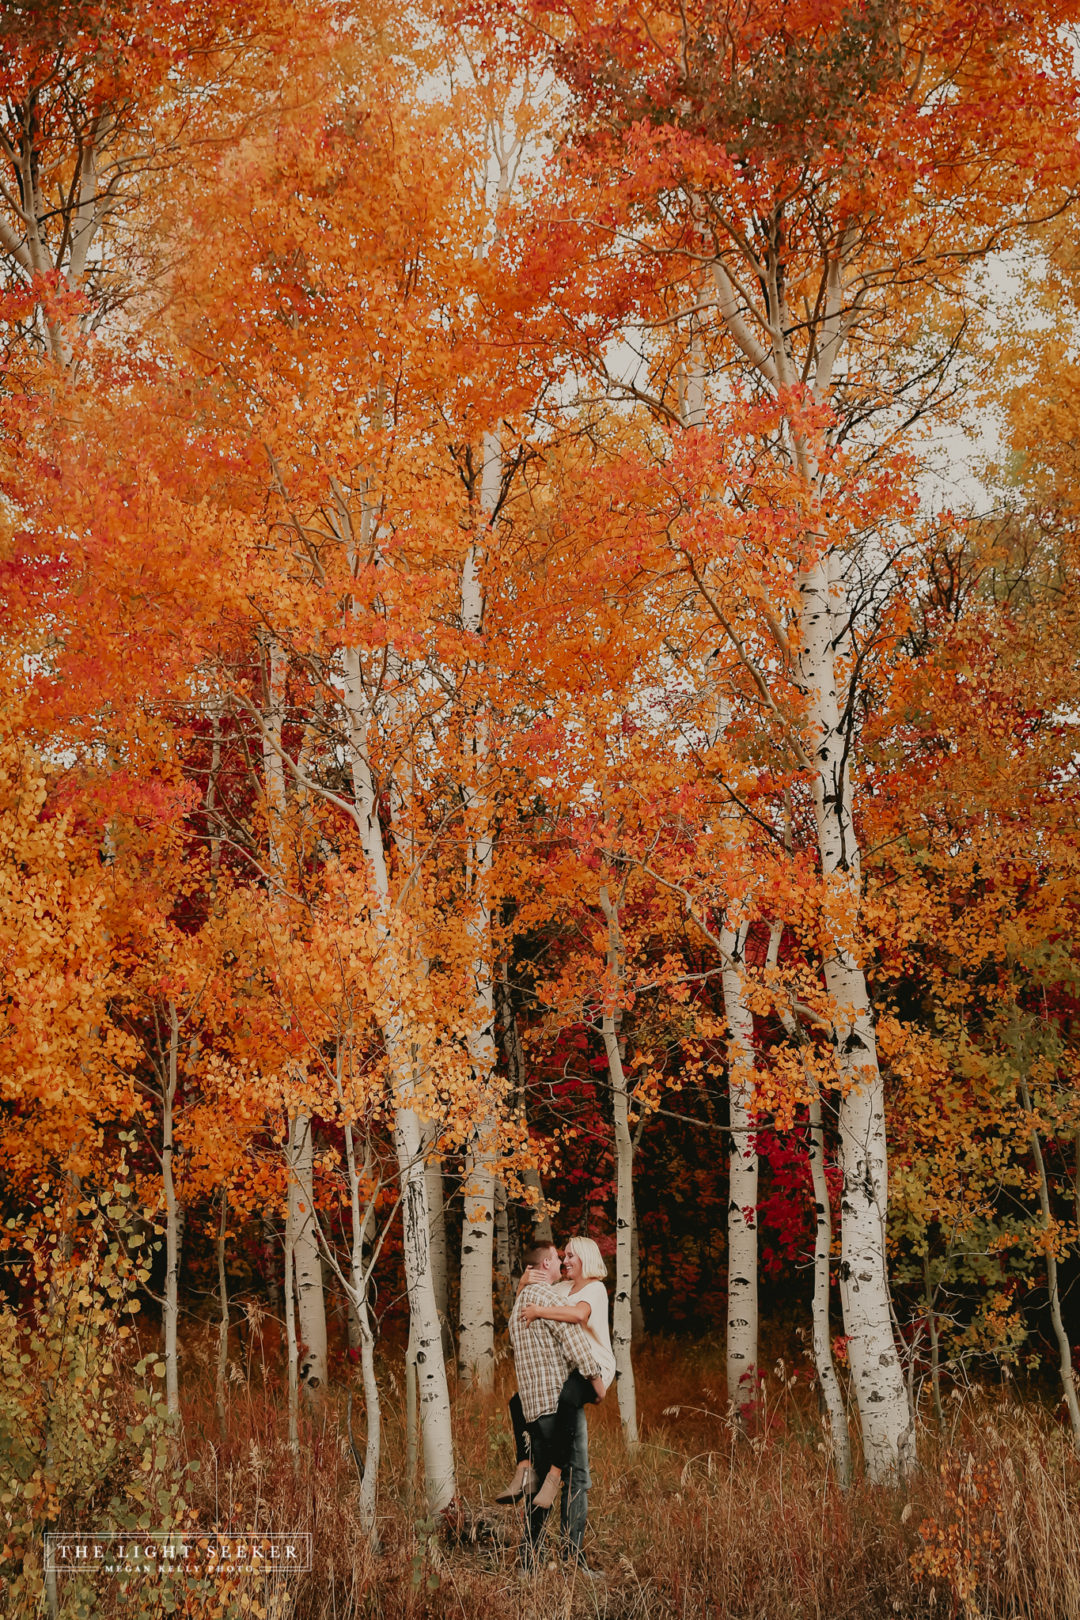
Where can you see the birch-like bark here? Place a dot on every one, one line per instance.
(877, 1378)
(436, 1196)
(170, 1307)
(366, 1235)
(888, 1432)
(476, 1337)
(358, 1302)
(742, 1315)
(84, 212)
(742, 1311)
(425, 1327)
(424, 1324)
(1065, 1360)
(621, 1320)
(504, 1287)
(637, 1314)
(411, 1420)
(304, 1248)
(355, 1284)
(221, 1373)
(832, 1395)
(291, 1351)
(476, 1313)
(310, 1299)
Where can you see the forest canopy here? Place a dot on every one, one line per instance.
(539, 632)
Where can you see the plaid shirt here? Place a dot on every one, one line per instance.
(545, 1352)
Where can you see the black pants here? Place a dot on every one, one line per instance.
(574, 1511)
(575, 1393)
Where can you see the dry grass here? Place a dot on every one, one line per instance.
(703, 1522)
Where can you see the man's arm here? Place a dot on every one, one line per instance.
(578, 1348)
(551, 1345)
(558, 1313)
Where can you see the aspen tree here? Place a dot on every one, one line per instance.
(742, 1309)
(170, 1298)
(301, 1240)
(831, 1394)
(97, 112)
(307, 1264)
(1066, 1370)
(476, 1338)
(222, 1364)
(504, 146)
(425, 1324)
(621, 1320)
(637, 1312)
(807, 251)
(436, 1197)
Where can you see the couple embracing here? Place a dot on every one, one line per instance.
(564, 1362)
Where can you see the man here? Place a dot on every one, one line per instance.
(544, 1354)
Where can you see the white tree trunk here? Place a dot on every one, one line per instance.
(222, 1369)
(170, 1305)
(436, 1196)
(366, 1234)
(411, 1424)
(877, 1377)
(1065, 1359)
(831, 1394)
(888, 1434)
(291, 1356)
(476, 1337)
(637, 1314)
(425, 1327)
(621, 1318)
(369, 1473)
(301, 1240)
(476, 1332)
(742, 1316)
(310, 1301)
(504, 1287)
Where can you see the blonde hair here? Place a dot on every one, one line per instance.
(588, 1252)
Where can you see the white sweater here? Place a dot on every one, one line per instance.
(594, 1294)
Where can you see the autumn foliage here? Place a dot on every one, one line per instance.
(521, 704)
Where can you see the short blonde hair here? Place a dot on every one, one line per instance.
(588, 1252)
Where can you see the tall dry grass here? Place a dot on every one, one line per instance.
(703, 1522)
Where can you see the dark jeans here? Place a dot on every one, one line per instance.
(574, 1510)
(575, 1393)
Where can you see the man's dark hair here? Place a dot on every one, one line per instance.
(537, 1253)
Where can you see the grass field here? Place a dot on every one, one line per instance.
(702, 1522)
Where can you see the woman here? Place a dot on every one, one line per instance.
(583, 1299)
